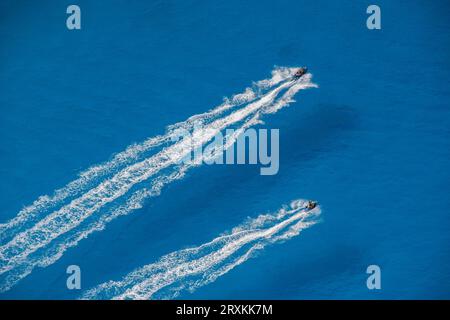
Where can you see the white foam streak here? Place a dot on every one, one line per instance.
(133, 153)
(44, 203)
(279, 74)
(195, 267)
(55, 252)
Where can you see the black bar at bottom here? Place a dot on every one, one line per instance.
(226, 309)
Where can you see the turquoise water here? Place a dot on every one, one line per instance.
(371, 144)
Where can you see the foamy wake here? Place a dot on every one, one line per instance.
(42, 232)
(191, 268)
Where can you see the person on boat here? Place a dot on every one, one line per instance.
(311, 205)
(300, 72)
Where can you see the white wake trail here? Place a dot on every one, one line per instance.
(14, 256)
(279, 74)
(56, 250)
(133, 153)
(191, 268)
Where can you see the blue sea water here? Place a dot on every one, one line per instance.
(371, 144)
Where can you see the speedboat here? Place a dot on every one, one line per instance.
(311, 205)
(300, 72)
